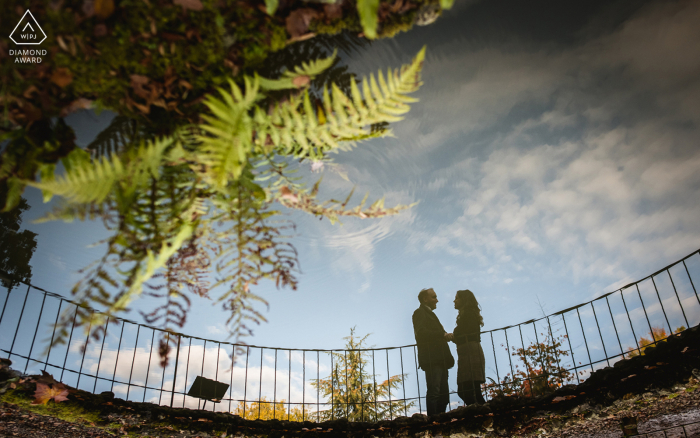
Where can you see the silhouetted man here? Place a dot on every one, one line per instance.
(434, 355)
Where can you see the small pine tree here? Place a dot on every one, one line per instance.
(354, 392)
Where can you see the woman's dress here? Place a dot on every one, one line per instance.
(470, 356)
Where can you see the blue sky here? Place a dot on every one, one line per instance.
(554, 155)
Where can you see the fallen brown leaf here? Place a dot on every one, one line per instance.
(137, 83)
(298, 21)
(62, 77)
(193, 5)
(58, 392)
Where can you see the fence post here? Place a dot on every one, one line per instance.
(177, 358)
(7, 298)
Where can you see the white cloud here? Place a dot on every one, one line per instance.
(606, 201)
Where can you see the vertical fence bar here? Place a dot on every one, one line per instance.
(388, 379)
(332, 388)
(374, 377)
(614, 325)
(70, 338)
(556, 351)
(539, 348)
(204, 354)
(629, 318)
(29, 356)
(571, 350)
(347, 398)
(133, 359)
(274, 391)
(415, 358)
(218, 352)
(21, 313)
(362, 394)
(82, 361)
(646, 315)
(177, 358)
(303, 383)
(162, 377)
(687, 324)
(53, 333)
(403, 384)
(691, 282)
(347, 388)
(318, 386)
(99, 360)
(119, 348)
(148, 368)
(187, 370)
(7, 298)
(527, 365)
(495, 361)
(662, 308)
(260, 385)
(601, 334)
(245, 383)
(585, 341)
(230, 386)
(289, 387)
(512, 371)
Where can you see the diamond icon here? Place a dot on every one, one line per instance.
(28, 31)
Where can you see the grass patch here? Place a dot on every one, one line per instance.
(68, 411)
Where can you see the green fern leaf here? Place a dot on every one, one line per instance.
(224, 152)
(290, 78)
(368, 10)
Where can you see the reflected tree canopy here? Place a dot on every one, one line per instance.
(16, 247)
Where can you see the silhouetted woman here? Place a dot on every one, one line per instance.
(470, 357)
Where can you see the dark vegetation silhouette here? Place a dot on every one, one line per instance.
(16, 247)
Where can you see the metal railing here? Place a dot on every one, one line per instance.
(364, 384)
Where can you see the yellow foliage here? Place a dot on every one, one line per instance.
(657, 334)
(267, 410)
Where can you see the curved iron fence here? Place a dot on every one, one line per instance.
(364, 384)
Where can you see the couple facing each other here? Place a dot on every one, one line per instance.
(435, 358)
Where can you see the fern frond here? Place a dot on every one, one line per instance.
(295, 128)
(224, 152)
(87, 182)
(291, 78)
(91, 181)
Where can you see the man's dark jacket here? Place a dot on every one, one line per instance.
(430, 337)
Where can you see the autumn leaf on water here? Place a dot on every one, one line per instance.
(57, 391)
